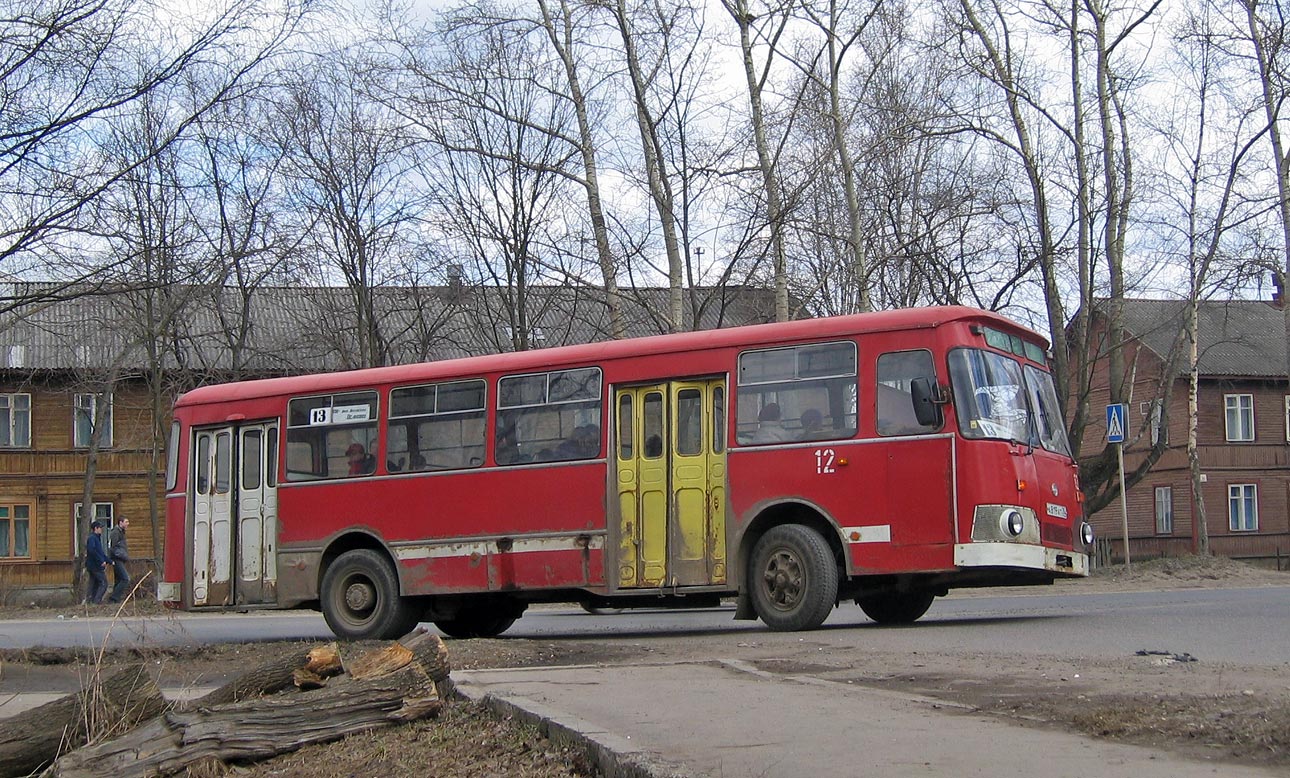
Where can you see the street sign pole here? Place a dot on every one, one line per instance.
(1116, 416)
(1124, 508)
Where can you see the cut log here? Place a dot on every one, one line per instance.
(420, 646)
(256, 729)
(106, 707)
(274, 676)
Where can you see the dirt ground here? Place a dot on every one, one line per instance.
(1209, 710)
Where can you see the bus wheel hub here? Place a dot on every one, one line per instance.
(360, 596)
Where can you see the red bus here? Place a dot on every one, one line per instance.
(882, 458)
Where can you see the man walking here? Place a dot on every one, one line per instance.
(120, 554)
(96, 563)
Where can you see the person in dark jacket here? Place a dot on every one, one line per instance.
(120, 554)
(96, 563)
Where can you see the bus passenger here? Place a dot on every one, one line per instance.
(588, 438)
(812, 424)
(769, 428)
(360, 462)
(653, 447)
(508, 448)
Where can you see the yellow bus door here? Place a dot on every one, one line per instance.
(671, 484)
(642, 485)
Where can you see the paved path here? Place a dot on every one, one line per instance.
(727, 719)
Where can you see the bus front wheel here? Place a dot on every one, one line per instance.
(793, 578)
(360, 598)
(896, 607)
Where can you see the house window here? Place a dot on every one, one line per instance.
(1243, 507)
(89, 411)
(15, 420)
(1240, 416)
(15, 531)
(103, 512)
(1164, 510)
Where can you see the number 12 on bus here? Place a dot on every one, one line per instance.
(880, 458)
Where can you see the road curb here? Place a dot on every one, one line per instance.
(614, 755)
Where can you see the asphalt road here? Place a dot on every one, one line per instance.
(1250, 626)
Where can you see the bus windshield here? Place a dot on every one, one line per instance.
(988, 395)
(1050, 425)
(996, 398)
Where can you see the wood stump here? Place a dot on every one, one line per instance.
(106, 706)
(384, 687)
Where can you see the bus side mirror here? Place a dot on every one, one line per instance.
(927, 400)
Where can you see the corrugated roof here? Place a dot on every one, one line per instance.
(1237, 338)
(285, 330)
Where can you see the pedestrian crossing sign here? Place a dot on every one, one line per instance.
(1115, 416)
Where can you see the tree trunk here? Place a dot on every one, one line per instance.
(562, 41)
(33, 738)
(387, 686)
(320, 662)
(257, 729)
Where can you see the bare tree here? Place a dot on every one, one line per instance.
(1092, 131)
(770, 24)
(641, 74)
(68, 68)
(499, 189)
(350, 165)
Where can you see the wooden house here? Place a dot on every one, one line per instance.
(112, 362)
(1243, 432)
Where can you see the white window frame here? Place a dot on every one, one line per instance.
(1156, 415)
(7, 526)
(88, 403)
(1288, 418)
(16, 403)
(1238, 408)
(103, 511)
(1164, 510)
(1237, 497)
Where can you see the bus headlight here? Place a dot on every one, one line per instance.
(1086, 533)
(1012, 522)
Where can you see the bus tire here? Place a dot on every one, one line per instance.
(896, 607)
(475, 624)
(793, 578)
(360, 598)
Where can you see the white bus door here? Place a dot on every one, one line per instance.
(257, 514)
(212, 497)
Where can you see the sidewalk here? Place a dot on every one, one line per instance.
(13, 704)
(726, 719)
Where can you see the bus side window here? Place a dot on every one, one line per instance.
(436, 427)
(325, 434)
(549, 417)
(796, 393)
(895, 404)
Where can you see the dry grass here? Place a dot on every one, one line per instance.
(466, 739)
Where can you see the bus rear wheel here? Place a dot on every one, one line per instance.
(793, 578)
(476, 624)
(360, 598)
(896, 607)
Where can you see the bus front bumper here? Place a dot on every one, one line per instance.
(1022, 555)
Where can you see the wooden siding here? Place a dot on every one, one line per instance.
(1265, 461)
(50, 476)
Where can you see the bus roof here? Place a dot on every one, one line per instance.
(540, 359)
